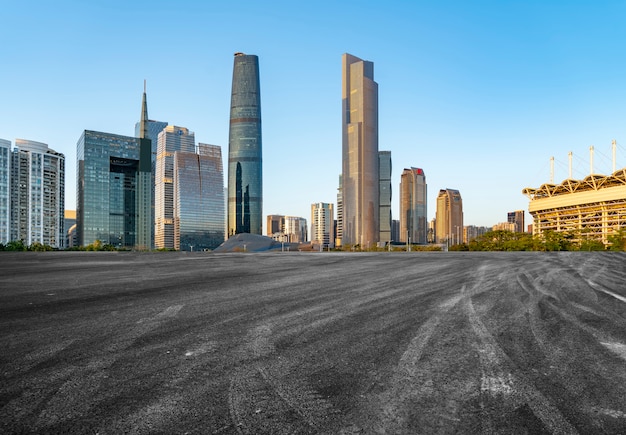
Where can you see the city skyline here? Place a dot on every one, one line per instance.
(479, 95)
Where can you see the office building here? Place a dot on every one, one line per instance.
(150, 129)
(360, 179)
(245, 180)
(384, 190)
(517, 219)
(275, 224)
(5, 191)
(171, 139)
(113, 202)
(322, 225)
(198, 186)
(413, 220)
(296, 229)
(37, 194)
(395, 230)
(449, 217)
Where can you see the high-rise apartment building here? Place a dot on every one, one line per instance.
(275, 224)
(296, 229)
(413, 220)
(112, 203)
(449, 218)
(322, 225)
(245, 180)
(360, 179)
(198, 199)
(384, 189)
(517, 218)
(339, 229)
(37, 194)
(171, 140)
(5, 191)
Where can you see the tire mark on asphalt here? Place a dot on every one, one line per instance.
(407, 381)
(508, 383)
(76, 395)
(263, 390)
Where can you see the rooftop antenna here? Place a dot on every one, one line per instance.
(552, 170)
(614, 143)
(569, 155)
(591, 160)
(144, 86)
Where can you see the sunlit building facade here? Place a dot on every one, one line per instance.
(245, 178)
(322, 225)
(360, 175)
(296, 229)
(198, 199)
(413, 219)
(449, 217)
(113, 200)
(171, 139)
(339, 226)
(384, 191)
(275, 224)
(37, 201)
(5, 191)
(517, 219)
(590, 209)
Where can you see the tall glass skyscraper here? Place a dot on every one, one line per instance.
(5, 191)
(360, 179)
(384, 190)
(245, 180)
(37, 194)
(413, 220)
(198, 199)
(109, 205)
(171, 140)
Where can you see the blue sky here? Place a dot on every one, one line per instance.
(479, 94)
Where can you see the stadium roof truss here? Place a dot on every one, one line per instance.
(592, 208)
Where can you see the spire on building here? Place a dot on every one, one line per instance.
(143, 130)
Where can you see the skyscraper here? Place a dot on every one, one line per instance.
(37, 194)
(360, 180)
(322, 225)
(145, 182)
(112, 203)
(5, 191)
(245, 181)
(198, 199)
(150, 129)
(384, 189)
(449, 219)
(171, 139)
(413, 224)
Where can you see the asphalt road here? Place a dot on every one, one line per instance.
(287, 343)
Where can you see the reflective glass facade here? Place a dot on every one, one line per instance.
(245, 181)
(171, 139)
(360, 180)
(413, 221)
(198, 199)
(110, 206)
(384, 190)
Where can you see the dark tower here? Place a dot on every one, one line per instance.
(245, 182)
